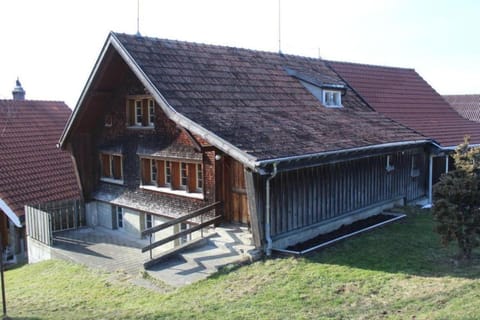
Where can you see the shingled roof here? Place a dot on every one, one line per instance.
(402, 95)
(467, 105)
(252, 101)
(32, 169)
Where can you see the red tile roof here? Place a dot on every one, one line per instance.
(32, 169)
(467, 105)
(249, 99)
(402, 95)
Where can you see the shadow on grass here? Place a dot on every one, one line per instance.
(410, 246)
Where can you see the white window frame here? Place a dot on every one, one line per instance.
(151, 112)
(336, 101)
(168, 173)
(138, 112)
(148, 220)
(199, 182)
(183, 175)
(186, 238)
(153, 172)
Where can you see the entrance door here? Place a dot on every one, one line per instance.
(236, 207)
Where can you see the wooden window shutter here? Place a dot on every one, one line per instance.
(117, 167)
(131, 112)
(105, 165)
(160, 173)
(146, 176)
(175, 175)
(191, 177)
(145, 119)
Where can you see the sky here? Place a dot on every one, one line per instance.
(52, 45)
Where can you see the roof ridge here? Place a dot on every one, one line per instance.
(196, 43)
(32, 100)
(369, 65)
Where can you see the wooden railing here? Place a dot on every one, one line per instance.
(194, 214)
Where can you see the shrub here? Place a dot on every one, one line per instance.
(456, 203)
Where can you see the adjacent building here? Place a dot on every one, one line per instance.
(32, 169)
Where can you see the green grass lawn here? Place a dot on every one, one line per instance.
(398, 272)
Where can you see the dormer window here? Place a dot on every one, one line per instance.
(140, 112)
(332, 98)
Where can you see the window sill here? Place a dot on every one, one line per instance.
(110, 180)
(183, 193)
(137, 127)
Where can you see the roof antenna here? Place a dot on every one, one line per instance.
(279, 28)
(138, 19)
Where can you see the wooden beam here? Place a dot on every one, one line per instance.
(255, 220)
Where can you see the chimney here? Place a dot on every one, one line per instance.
(18, 92)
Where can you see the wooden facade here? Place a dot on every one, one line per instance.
(306, 197)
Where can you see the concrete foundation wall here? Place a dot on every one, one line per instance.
(104, 214)
(38, 251)
(131, 222)
(91, 217)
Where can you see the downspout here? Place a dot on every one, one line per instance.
(446, 163)
(268, 249)
(430, 181)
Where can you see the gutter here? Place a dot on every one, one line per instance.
(263, 163)
(268, 249)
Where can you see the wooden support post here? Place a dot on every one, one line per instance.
(255, 220)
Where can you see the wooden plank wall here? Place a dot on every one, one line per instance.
(303, 197)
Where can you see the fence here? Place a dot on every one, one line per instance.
(44, 219)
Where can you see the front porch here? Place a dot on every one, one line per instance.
(116, 251)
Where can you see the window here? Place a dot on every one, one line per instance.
(108, 120)
(185, 238)
(148, 221)
(151, 112)
(415, 171)
(183, 175)
(168, 173)
(140, 112)
(332, 98)
(199, 177)
(173, 177)
(112, 167)
(389, 165)
(119, 212)
(153, 170)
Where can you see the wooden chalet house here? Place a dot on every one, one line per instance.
(32, 169)
(163, 128)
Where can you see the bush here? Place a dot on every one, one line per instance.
(456, 203)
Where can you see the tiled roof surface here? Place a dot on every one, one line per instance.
(402, 95)
(467, 105)
(247, 98)
(32, 169)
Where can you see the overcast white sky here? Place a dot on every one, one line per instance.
(52, 45)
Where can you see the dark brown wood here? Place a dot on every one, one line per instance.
(191, 177)
(145, 118)
(186, 217)
(160, 173)
(175, 174)
(117, 167)
(146, 174)
(182, 233)
(131, 112)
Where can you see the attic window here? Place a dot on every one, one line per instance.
(332, 98)
(328, 96)
(140, 112)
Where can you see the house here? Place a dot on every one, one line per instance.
(467, 105)
(165, 127)
(32, 169)
(402, 95)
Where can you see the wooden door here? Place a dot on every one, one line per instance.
(236, 206)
